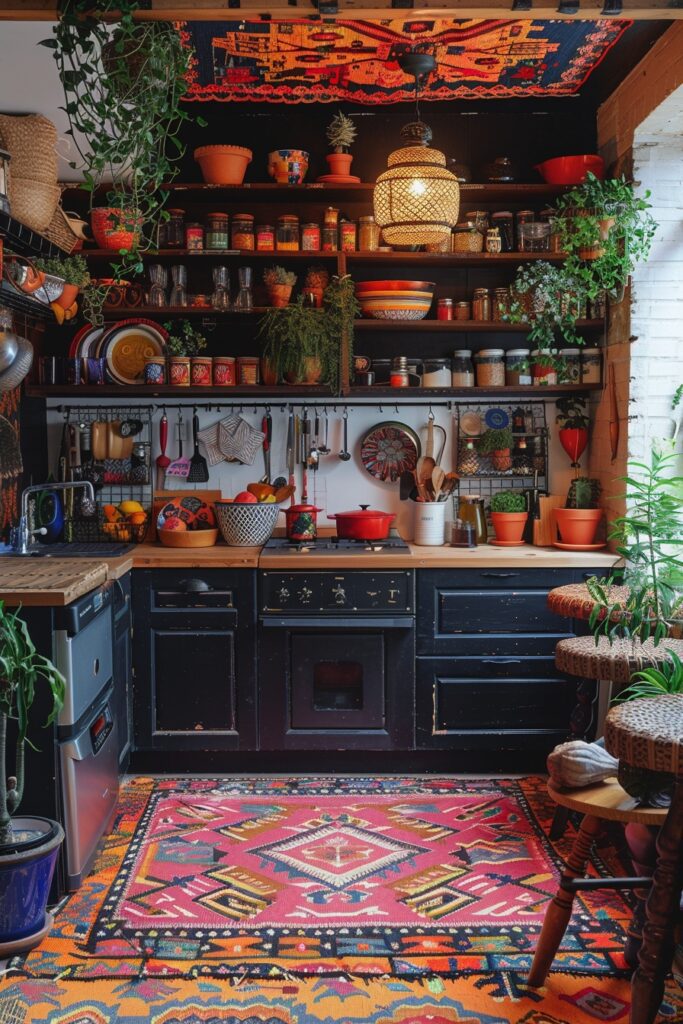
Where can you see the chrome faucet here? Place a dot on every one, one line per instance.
(20, 535)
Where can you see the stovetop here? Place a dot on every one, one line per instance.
(335, 545)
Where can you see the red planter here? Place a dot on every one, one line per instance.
(115, 228)
(339, 163)
(574, 441)
(363, 524)
(509, 526)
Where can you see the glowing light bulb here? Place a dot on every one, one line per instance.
(417, 187)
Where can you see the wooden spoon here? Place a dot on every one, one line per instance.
(438, 477)
(426, 463)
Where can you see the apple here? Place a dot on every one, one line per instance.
(245, 498)
(173, 523)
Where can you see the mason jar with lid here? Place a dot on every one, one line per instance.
(287, 237)
(490, 365)
(481, 304)
(174, 229)
(591, 366)
(463, 310)
(570, 370)
(242, 234)
(368, 234)
(480, 218)
(310, 237)
(462, 370)
(522, 217)
(217, 231)
(265, 238)
(501, 303)
(348, 236)
(436, 373)
(466, 238)
(517, 367)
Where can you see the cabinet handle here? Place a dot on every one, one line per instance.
(501, 661)
(500, 575)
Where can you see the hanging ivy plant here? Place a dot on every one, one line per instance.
(123, 83)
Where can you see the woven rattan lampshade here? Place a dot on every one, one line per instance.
(416, 199)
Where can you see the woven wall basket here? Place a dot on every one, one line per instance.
(30, 141)
(33, 202)
(61, 233)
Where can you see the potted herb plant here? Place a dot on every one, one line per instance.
(279, 283)
(573, 422)
(605, 229)
(28, 846)
(547, 298)
(341, 133)
(578, 521)
(509, 516)
(73, 270)
(497, 444)
(184, 343)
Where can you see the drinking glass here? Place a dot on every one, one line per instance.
(221, 288)
(179, 289)
(158, 277)
(244, 301)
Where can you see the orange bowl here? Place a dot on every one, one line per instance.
(188, 538)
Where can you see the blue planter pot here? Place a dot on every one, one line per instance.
(27, 865)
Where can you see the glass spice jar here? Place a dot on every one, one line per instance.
(504, 222)
(436, 373)
(466, 238)
(194, 237)
(248, 369)
(463, 311)
(310, 237)
(591, 366)
(481, 304)
(242, 235)
(517, 369)
(265, 238)
(398, 377)
(347, 236)
(522, 217)
(217, 231)
(444, 309)
(368, 234)
(329, 238)
(331, 217)
(287, 237)
(175, 229)
(570, 371)
(462, 370)
(501, 303)
(490, 366)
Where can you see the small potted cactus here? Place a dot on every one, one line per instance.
(279, 283)
(578, 521)
(509, 515)
(341, 133)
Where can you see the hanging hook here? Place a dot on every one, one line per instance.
(396, 408)
(381, 409)
(431, 412)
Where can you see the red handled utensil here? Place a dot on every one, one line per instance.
(163, 461)
(267, 430)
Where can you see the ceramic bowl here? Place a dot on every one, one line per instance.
(288, 166)
(187, 539)
(396, 303)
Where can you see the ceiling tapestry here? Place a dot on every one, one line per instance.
(316, 62)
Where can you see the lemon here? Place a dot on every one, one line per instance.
(128, 507)
(268, 500)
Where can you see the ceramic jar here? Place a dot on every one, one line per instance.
(179, 371)
(430, 522)
(155, 370)
(200, 371)
(224, 371)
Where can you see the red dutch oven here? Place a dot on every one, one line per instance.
(363, 524)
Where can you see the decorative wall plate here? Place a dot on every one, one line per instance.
(388, 450)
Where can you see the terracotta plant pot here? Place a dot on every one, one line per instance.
(509, 526)
(68, 296)
(112, 229)
(268, 374)
(578, 526)
(501, 460)
(312, 373)
(339, 163)
(223, 165)
(279, 294)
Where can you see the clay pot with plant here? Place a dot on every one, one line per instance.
(279, 283)
(578, 521)
(509, 515)
(317, 280)
(497, 445)
(341, 133)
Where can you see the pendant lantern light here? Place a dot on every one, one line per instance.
(416, 200)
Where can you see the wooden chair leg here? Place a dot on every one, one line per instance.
(560, 819)
(656, 951)
(559, 910)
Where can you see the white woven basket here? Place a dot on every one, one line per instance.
(246, 525)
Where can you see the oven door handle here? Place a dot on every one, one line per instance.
(338, 622)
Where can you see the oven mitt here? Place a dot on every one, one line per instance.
(208, 438)
(239, 441)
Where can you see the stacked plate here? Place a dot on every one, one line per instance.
(123, 345)
(395, 300)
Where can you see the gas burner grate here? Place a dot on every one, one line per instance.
(330, 545)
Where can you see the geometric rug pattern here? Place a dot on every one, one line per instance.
(421, 903)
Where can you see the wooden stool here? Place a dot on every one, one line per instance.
(605, 801)
(648, 733)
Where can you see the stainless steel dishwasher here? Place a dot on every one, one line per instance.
(86, 728)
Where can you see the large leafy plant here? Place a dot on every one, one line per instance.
(22, 669)
(123, 81)
(654, 682)
(608, 218)
(545, 296)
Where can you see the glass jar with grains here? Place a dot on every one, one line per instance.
(490, 364)
(462, 370)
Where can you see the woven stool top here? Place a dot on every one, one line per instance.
(648, 733)
(615, 662)
(575, 602)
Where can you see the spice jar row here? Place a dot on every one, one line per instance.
(505, 231)
(289, 234)
(202, 371)
(494, 304)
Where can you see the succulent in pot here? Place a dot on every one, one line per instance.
(28, 845)
(509, 515)
(341, 133)
(578, 521)
(279, 283)
(497, 444)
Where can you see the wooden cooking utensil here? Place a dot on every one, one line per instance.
(426, 463)
(438, 477)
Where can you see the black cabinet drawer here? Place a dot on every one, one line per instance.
(475, 705)
(491, 645)
(505, 611)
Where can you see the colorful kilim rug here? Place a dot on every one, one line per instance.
(410, 901)
(306, 61)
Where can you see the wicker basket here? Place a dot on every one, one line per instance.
(60, 232)
(32, 202)
(30, 140)
(246, 525)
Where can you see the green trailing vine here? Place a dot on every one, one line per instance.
(546, 297)
(123, 83)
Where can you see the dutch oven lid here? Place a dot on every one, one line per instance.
(364, 512)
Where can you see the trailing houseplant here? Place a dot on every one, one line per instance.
(546, 297)
(123, 83)
(606, 230)
(509, 515)
(341, 133)
(28, 846)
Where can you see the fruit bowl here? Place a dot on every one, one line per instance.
(188, 538)
(395, 300)
(245, 525)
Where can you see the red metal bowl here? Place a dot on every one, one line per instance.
(363, 524)
(394, 286)
(571, 170)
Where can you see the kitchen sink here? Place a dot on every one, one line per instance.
(75, 550)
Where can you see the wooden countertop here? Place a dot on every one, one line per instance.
(156, 556)
(487, 556)
(49, 582)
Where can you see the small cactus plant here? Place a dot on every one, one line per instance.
(583, 493)
(341, 132)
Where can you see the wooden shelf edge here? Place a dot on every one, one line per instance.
(284, 391)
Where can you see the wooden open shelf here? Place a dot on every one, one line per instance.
(461, 326)
(429, 259)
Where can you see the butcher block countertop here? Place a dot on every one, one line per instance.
(49, 582)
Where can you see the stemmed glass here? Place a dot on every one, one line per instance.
(244, 301)
(221, 288)
(179, 289)
(158, 277)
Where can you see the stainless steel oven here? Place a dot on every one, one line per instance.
(336, 659)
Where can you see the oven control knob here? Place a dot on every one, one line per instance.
(305, 595)
(339, 594)
(283, 594)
